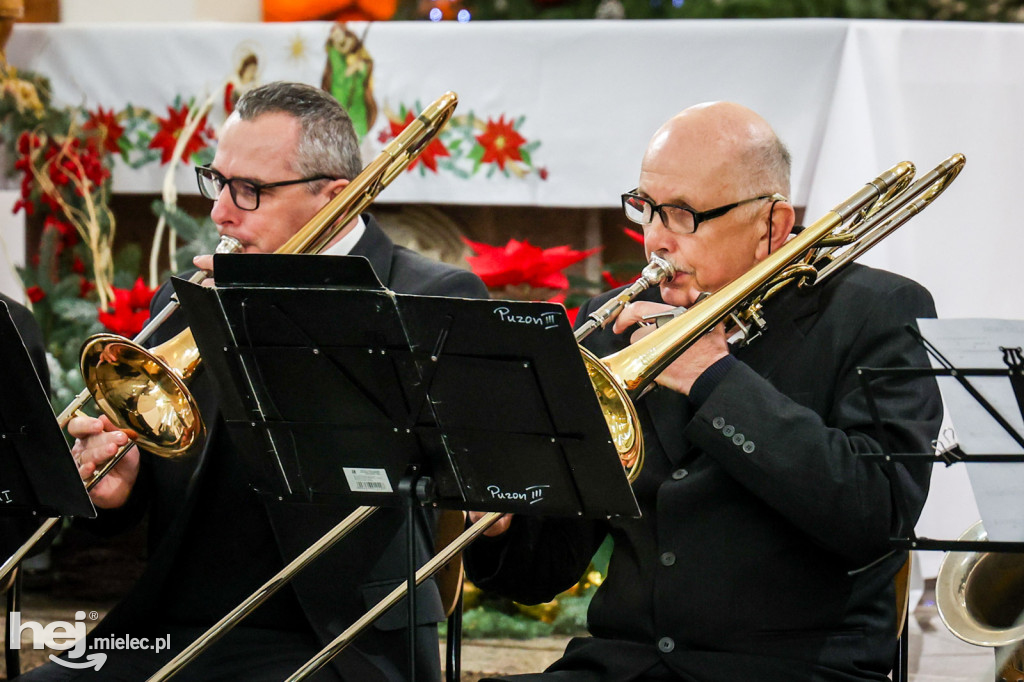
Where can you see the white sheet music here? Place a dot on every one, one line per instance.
(975, 344)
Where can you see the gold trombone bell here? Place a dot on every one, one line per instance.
(143, 391)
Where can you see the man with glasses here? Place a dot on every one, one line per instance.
(284, 153)
(763, 548)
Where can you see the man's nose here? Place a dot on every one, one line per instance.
(657, 236)
(224, 208)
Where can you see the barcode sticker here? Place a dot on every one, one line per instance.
(367, 480)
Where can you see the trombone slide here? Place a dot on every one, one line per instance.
(204, 641)
(427, 570)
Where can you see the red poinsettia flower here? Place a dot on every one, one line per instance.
(571, 313)
(107, 129)
(636, 236)
(130, 310)
(523, 263)
(35, 294)
(614, 281)
(429, 155)
(170, 130)
(501, 142)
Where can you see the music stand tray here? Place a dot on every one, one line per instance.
(38, 475)
(335, 389)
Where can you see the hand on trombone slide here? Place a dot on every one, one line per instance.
(96, 441)
(499, 527)
(205, 262)
(684, 370)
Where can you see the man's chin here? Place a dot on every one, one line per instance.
(678, 296)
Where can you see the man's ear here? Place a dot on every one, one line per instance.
(779, 220)
(334, 186)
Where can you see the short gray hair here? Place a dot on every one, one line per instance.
(768, 165)
(327, 142)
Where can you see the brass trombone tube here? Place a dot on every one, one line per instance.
(427, 570)
(895, 213)
(205, 640)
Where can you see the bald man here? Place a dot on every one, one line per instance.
(763, 550)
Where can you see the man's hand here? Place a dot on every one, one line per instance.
(96, 441)
(499, 526)
(680, 374)
(205, 262)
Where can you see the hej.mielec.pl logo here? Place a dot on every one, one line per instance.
(64, 636)
(59, 635)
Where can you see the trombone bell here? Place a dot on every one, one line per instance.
(619, 414)
(143, 391)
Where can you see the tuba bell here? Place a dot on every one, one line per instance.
(980, 597)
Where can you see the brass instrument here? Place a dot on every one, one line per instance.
(980, 597)
(875, 211)
(818, 251)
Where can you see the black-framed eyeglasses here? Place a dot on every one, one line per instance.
(245, 193)
(678, 219)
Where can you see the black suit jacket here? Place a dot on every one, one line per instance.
(343, 583)
(763, 551)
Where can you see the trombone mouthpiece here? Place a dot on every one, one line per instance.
(228, 245)
(658, 270)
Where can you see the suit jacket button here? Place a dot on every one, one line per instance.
(718, 422)
(680, 474)
(668, 558)
(666, 645)
(728, 430)
(748, 447)
(738, 439)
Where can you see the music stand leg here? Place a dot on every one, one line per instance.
(453, 644)
(408, 488)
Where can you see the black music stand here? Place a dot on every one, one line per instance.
(38, 475)
(952, 454)
(342, 392)
(906, 538)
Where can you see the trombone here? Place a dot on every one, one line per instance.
(143, 391)
(874, 212)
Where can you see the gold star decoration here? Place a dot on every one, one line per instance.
(298, 51)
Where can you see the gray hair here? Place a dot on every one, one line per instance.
(327, 142)
(768, 163)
